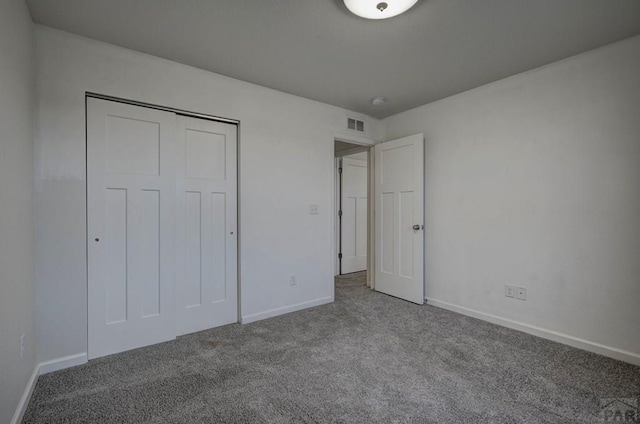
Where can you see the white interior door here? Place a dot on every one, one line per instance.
(399, 218)
(131, 188)
(206, 286)
(354, 215)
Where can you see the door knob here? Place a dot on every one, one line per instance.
(416, 227)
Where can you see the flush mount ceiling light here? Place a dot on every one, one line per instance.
(378, 101)
(377, 9)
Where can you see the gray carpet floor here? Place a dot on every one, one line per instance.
(367, 358)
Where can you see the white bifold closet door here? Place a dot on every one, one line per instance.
(161, 233)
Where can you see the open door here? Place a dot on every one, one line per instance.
(399, 218)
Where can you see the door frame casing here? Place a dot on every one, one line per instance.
(182, 112)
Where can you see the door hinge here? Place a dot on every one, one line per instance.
(339, 255)
(340, 214)
(340, 170)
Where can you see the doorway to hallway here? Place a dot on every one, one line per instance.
(352, 207)
(389, 242)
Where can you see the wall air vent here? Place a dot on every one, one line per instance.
(355, 125)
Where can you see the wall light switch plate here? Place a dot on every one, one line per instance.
(521, 293)
(313, 210)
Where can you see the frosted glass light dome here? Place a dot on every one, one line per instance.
(378, 9)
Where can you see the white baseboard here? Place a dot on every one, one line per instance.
(62, 363)
(285, 310)
(40, 369)
(26, 397)
(611, 352)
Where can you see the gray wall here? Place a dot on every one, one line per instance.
(535, 181)
(17, 314)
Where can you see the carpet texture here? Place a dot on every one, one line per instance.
(367, 358)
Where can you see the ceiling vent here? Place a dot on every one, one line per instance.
(355, 125)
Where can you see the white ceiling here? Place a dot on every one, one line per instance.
(317, 49)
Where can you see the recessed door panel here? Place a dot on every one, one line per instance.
(349, 230)
(406, 234)
(387, 212)
(144, 255)
(192, 277)
(218, 267)
(396, 165)
(116, 255)
(205, 155)
(361, 229)
(133, 145)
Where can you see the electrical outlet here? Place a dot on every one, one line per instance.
(22, 346)
(521, 293)
(293, 280)
(509, 291)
